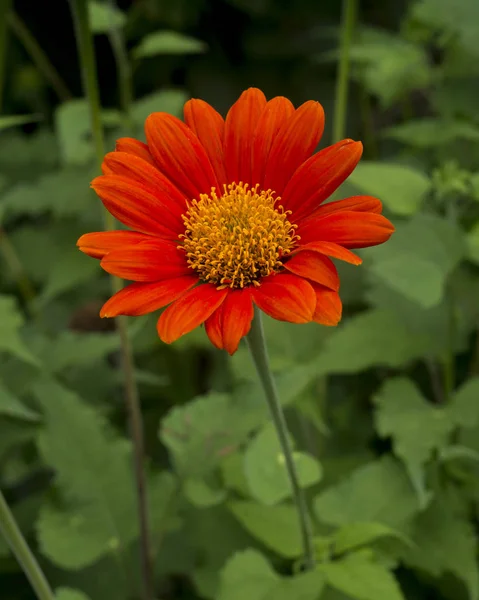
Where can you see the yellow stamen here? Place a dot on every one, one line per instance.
(238, 238)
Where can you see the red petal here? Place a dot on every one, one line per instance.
(189, 311)
(314, 266)
(333, 250)
(136, 206)
(179, 154)
(347, 228)
(276, 113)
(100, 243)
(241, 123)
(135, 148)
(317, 178)
(328, 306)
(142, 298)
(231, 321)
(356, 203)
(148, 261)
(286, 297)
(138, 170)
(209, 126)
(294, 143)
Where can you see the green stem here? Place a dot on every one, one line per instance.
(257, 346)
(348, 21)
(18, 545)
(87, 56)
(24, 284)
(39, 57)
(123, 67)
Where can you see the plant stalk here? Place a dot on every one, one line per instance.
(87, 57)
(259, 353)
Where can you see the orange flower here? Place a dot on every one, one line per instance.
(229, 213)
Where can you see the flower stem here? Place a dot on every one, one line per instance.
(10, 530)
(348, 21)
(39, 57)
(257, 346)
(86, 52)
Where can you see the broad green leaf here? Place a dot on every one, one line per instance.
(265, 468)
(7, 121)
(104, 16)
(431, 132)
(97, 506)
(401, 188)
(444, 541)
(415, 425)
(199, 493)
(464, 407)
(361, 578)
(418, 258)
(10, 323)
(374, 337)
(11, 406)
(378, 492)
(249, 575)
(277, 527)
(355, 535)
(170, 101)
(69, 594)
(168, 42)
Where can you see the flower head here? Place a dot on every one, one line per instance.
(225, 214)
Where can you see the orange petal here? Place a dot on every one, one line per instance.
(209, 126)
(328, 306)
(286, 297)
(189, 311)
(231, 321)
(179, 154)
(318, 177)
(333, 250)
(142, 298)
(356, 203)
(314, 266)
(136, 206)
(148, 261)
(347, 228)
(294, 143)
(141, 171)
(240, 127)
(276, 112)
(136, 148)
(100, 243)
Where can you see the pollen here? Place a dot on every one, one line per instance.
(236, 239)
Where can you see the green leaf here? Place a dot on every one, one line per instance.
(355, 535)
(374, 337)
(199, 493)
(418, 258)
(416, 427)
(265, 468)
(361, 578)
(444, 541)
(464, 407)
(10, 322)
(69, 594)
(431, 132)
(170, 101)
(401, 188)
(11, 406)
(276, 527)
(97, 507)
(7, 121)
(168, 42)
(249, 575)
(378, 492)
(104, 16)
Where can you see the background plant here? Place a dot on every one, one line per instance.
(383, 410)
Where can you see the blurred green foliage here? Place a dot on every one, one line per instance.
(383, 410)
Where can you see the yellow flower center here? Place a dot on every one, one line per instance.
(238, 238)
